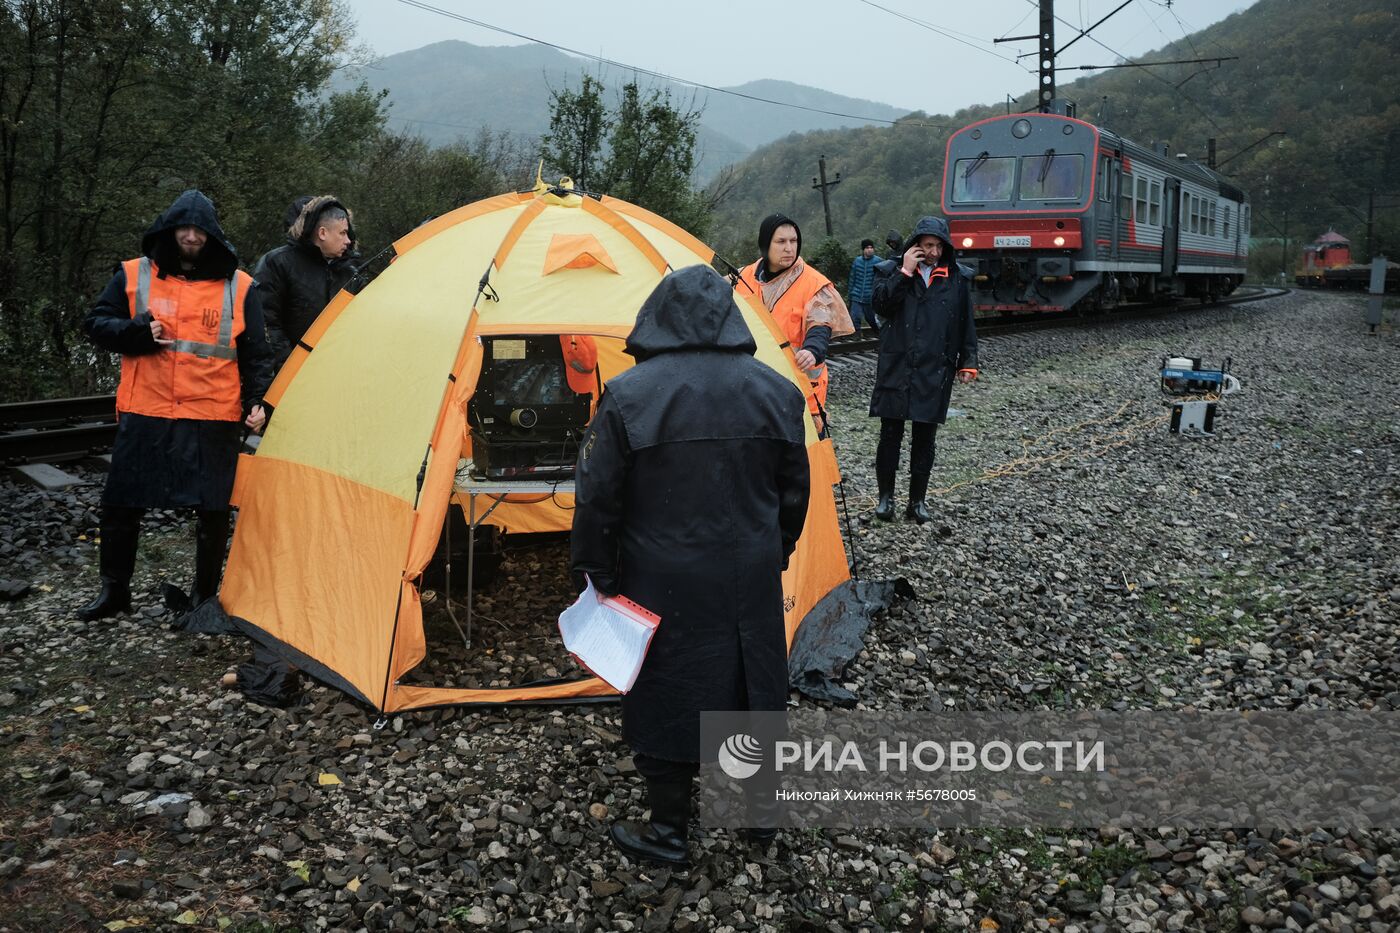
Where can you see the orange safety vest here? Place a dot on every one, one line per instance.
(197, 375)
(790, 314)
(580, 362)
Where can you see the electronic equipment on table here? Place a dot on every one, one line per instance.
(526, 420)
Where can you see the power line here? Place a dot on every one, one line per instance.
(1149, 71)
(418, 4)
(943, 31)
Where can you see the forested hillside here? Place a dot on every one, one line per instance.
(1326, 75)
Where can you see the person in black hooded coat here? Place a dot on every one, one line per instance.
(928, 340)
(174, 463)
(691, 491)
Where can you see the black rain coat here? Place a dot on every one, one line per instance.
(692, 487)
(170, 463)
(295, 282)
(927, 334)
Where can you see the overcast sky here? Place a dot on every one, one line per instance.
(848, 46)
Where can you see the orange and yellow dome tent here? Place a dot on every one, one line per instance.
(342, 506)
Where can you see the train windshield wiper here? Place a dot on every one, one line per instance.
(1045, 168)
(977, 163)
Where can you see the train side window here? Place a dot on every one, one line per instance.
(1125, 197)
(1155, 204)
(1195, 214)
(1185, 212)
(1227, 222)
(1213, 206)
(1105, 173)
(1141, 213)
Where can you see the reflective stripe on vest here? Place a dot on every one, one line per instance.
(223, 349)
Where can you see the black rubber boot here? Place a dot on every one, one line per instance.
(211, 539)
(663, 838)
(884, 510)
(114, 597)
(116, 563)
(918, 488)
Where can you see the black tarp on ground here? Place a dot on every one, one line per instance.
(834, 632)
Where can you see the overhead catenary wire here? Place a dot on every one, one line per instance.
(946, 33)
(1099, 42)
(685, 82)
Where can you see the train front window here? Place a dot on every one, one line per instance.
(983, 179)
(1052, 177)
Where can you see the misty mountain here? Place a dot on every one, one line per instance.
(451, 89)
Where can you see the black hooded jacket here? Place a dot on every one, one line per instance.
(296, 282)
(927, 333)
(178, 463)
(692, 487)
(111, 327)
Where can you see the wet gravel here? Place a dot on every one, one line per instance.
(1080, 557)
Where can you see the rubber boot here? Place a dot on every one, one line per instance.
(918, 488)
(211, 539)
(662, 839)
(116, 562)
(884, 510)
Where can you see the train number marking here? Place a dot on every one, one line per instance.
(1002, 241)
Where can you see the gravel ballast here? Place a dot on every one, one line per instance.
(1080, 557)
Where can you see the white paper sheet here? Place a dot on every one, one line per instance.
(608, 635)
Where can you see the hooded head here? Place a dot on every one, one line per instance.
(217, 260)
(894, 240)
(934, 226)
(294, 211)
(315, 212)
(691, 309)
(769, 227)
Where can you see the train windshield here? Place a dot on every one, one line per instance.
(1051, 177)
(983, 179)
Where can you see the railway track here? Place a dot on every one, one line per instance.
(56, 430)
(59, 430)
(1000, 327)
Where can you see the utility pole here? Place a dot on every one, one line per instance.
(1210, 153)
(822, 187)
(1283, 263)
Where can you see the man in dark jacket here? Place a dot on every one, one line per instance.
(858, 285)
(194, 366)
(928, 339)
(298, 279)
(692, 489)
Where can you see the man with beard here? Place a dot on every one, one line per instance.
(194, 366)
(692, 488)
(804, 304)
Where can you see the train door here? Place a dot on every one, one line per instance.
(1113, 211)
(1171, 225)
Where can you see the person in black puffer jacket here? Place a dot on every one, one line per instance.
(297, 280)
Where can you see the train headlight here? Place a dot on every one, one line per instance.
(967, 242)
(1021, 129)
(1058, 241)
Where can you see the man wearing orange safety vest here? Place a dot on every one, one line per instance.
(195, 363)
(804, 304)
